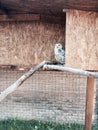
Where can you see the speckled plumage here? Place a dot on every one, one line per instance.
(59, 53)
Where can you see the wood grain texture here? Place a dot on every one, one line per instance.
(82, 39)
(89, 103)
(28, 43)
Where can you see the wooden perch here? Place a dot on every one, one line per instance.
(72, 70)
(15, 85)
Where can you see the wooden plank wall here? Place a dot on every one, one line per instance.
(82, 39)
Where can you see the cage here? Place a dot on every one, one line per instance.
(47, 96)
(48, 100)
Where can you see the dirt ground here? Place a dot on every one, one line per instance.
(46, 95)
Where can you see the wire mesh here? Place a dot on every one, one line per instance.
(47, 95)
(95, 106)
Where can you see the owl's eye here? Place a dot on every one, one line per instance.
(59, 45)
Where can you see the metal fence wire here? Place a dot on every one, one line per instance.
(47, 95)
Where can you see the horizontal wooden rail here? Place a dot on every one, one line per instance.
(19, 17)
(32, 17)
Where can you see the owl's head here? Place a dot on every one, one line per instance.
(58, 46)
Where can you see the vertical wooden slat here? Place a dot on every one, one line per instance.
(89, 103)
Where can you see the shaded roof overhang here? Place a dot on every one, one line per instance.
(49, 7)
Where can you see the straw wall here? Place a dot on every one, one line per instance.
(28, 43)
(82, 39)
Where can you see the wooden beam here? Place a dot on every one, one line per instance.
(19, 17)
(89, 103)
(52, 19)
(48, 6)
(32, 17)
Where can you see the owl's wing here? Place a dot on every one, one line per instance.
(59, 50)
(63, 52)
(62, 57)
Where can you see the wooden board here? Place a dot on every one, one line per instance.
(82, 40)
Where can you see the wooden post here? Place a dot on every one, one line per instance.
(89, 103)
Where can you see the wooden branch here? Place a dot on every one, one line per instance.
(15, 85)
(72, 70)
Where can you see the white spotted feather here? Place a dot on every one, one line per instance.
(59, 53)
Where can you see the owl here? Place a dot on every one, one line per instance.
(59, 53)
